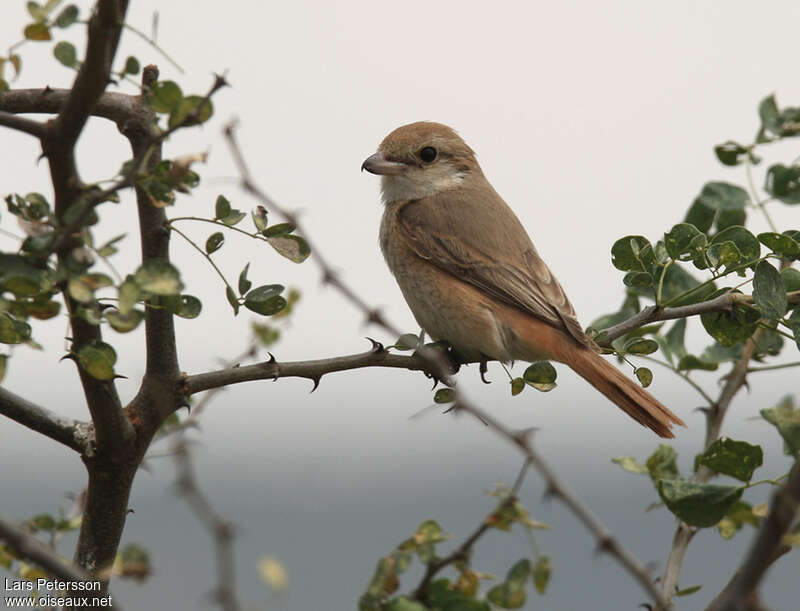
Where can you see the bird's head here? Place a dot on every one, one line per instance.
(421, 159)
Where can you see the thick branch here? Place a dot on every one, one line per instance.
(651, 314)
(21, 124)
(72, 433)
(311, 370)
(766, 547)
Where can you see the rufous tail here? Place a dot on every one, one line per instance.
(627, 394)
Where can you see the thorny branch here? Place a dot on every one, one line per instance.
(72, 433)
(606, 542)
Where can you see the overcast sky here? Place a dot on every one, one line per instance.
(593, 120)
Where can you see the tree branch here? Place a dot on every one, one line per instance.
(72, 433)
(21, 124)
(765, 549)
(651, 314)
(311, 370)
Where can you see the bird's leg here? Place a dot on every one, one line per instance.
(483, 368)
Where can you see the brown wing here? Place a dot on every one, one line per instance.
(480, 240)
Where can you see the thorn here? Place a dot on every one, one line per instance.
(183, 402)
(705, 410)
(271, 358)
(316, 383)
(483, 368)
(377, 347)
(647, 606)
(435, 380)
(604, 544)
(69, 356)
(130, 510)
(119, 376)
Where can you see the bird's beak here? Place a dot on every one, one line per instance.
(378, 164)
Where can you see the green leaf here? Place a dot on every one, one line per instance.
(640, 345)
(718, 202)
(97, 359)
(541, 375)
(191, 110)
(293, 247)
(123, 323)
(781, 244)
(511, 593)
(10, 331)
(222, 207)
(265, 300)
(517, 386)
(791, 279)
(786, 419)
(730, 328)
(444, 395)
(37, 31)
(79, 289)
(214, 242)
(735, 458)
(684, 238)
(233, 218)
(67, 17)
(746, 242)
(688, 591)
(259, 218)
(632, 253)
(278, 229)
(730, 153)
(738, 515)
(678, 282)
(638, 279)
(131, 66)
(783, 183)
(696, 504)
(630, 464)
(164, 96)
(541, 573)
(232, 299)
(129, 294)
(662, 464)
(673, 344)
(159, 277)
(645, 376)
(404, 604)
(65, 53)
(769, 114)
(689, 362)
(769, 292)
(723, 254)
(3, 365)
(190, 307)
(244, 283)
(407, 341)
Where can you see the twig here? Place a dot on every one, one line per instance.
(21, 124)
(463, 550)
(72, 433)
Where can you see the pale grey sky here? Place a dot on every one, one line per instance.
(593, 120)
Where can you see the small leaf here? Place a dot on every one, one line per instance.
(662, 463)
(645, 376)
(735, 458)
(444, 395)
(67, 17)
(259, 218)
(689, 362)
(164, 96)
(730, 153)
(541, 573)
(630, 464)
(214, 242)
(191, 307)
(65, 53)
(123, 323)
(293, 247)
(517, 386)
(640, 345)
(244, 283)
(719, 202)
(129, 294)
(158, 276)
(131, 65)
(781, 244)
(191, 110)
(688, 591)
(233, 218)
(783, 183)
(407, 341)
(222, 207)
(265, 300)
(232, 299)
(541, 375)
(97, 359)
(683, 238)
(278, 230)
(769, 292)
(786, 419)
(37, 31)
(632, 253)
(696, 504)
(738, 515)
(746, 242)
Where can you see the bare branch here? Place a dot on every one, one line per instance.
(21, 124)
(765, 549)
(72, 433)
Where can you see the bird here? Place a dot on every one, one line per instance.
(470, 273)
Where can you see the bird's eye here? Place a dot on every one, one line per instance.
(428, 154)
